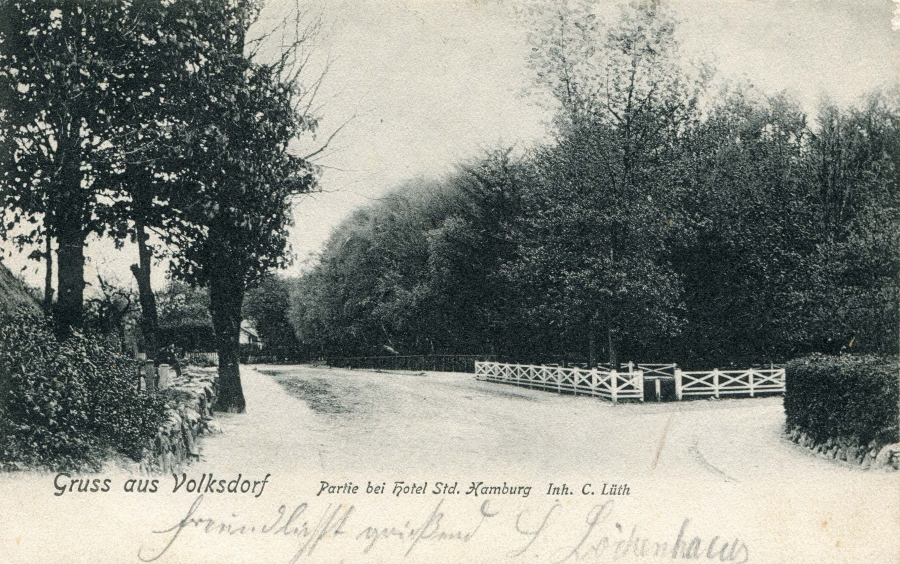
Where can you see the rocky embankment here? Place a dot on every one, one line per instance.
(191, 397)
(872, 455)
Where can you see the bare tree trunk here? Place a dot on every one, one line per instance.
(141, 271)
(226, 295)
(48, 275)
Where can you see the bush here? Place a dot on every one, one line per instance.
(63, 404)
(851, 397)
(200, 361)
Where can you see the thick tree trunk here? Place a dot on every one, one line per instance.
(69, 219)
(226, 295)
(70, 279)
(141, 271)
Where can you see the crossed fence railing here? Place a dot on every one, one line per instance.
(717, 383)
(658, 370)
(611, 385)
(615, 385)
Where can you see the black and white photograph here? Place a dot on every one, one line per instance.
(449, 281)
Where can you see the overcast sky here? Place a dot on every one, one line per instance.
(426, 84)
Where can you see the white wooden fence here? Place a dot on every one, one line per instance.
(655, 373)
(658, 370)
(721, 382)
(616, 386)
(202, 357)
(611, 385)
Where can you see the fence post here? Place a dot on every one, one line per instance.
(163, 372)
(658, 389)
(150, 375)
(750, 381)
(716, 381)
(678, 384)
(614, 385)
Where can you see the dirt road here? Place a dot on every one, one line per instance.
(390, 422)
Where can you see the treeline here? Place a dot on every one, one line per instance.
(662, 223)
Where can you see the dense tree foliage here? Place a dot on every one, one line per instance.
(67, 71)
(653, 227)
(237, 175)
(181, 304)
(119, 118)
(93, 95)
(267, 307)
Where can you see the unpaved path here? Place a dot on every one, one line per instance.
(329, 420)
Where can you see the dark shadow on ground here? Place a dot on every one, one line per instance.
(319, 394)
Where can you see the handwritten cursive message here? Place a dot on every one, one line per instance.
(545, 533)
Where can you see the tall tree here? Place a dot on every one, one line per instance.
(82, 91)
(54, 76)
(850, 298)
(148, 156)
(479, 308)
(237, 179)
(603, 205)
(749, 223)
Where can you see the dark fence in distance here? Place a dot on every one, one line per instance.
(255, 354)
(429, 362)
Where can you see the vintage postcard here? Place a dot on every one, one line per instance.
(380, 281)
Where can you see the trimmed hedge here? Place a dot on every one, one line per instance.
(63, 404)
(847, 396)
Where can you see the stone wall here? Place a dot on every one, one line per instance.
(872, 455)
(190, 400)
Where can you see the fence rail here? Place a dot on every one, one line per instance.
(716, 383)
(658, 370)
(616, 386)
(191, 356)
(194, 357)
(611, 385)
(431, 362)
